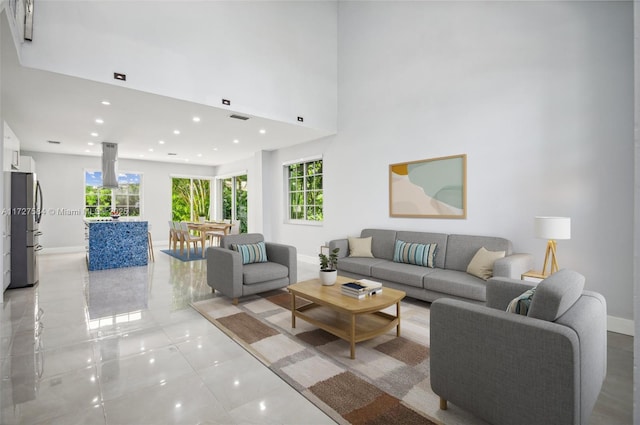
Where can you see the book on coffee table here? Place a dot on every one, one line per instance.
(361, 288)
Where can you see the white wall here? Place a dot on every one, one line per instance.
(274, 59)
(62, 181)
(539, 95)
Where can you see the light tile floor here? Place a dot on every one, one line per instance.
(123, 346)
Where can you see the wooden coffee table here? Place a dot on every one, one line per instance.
(351, 319)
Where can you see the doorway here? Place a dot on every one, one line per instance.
(234, 200)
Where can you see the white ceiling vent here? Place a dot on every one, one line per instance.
(110, 165)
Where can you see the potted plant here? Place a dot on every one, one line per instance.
(202, 215)
(328, 263)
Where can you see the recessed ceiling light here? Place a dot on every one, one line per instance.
(263, 131)
(186, 160)
(106, 102)
(199, 155)
(150, 149)
(161, 142)
(99, 121)
(196, 119)
(236, 141)
(215, 149)
(94, 134)
(87, 150)
(90, 143)
(141, 156)
(176, 131)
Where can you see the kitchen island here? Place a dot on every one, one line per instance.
(116, 243)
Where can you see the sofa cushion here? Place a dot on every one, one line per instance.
(459, 284)
(358, 265)
(481, 264)
(360, 247)
(263, 272)
(556, 294)
(440, 239)
(520, 304)
(462, 248)
(251, 253)
(419, 254)
(382, 242)
(406, 274)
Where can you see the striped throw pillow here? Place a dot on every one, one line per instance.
(521, 303)
(419, 254)
(252, 253)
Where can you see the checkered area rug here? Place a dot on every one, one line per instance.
(387, 382)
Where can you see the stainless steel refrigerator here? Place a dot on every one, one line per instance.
(26, 212)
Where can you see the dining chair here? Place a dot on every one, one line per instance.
(174, 238)
(188, 238)
(235, 228)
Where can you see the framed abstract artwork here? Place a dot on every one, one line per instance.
(429, 188)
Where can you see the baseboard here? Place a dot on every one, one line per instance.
(620, 325)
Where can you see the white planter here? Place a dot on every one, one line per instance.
(328, 277)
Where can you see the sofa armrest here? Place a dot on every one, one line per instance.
(224, 271)
(285, 255)
(503, 367)
(513, 265)
(343, 244)
(501, 290)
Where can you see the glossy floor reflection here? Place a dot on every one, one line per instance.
(123, 346)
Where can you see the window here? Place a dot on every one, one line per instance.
(190, 198)
(99, 201)
(305, 194)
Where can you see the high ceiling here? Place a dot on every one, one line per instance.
(42, 106)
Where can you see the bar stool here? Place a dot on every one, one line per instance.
(150, 247)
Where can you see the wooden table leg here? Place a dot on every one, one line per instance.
(293, 310)
(352, 336)
(398, 316)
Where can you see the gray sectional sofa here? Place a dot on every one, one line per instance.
(447, 279)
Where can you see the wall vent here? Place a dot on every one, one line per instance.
(54, 142)
(239, 117)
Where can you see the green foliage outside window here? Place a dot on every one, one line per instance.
(190, 199)
(235, 186)
(99, 201)
(305, 191)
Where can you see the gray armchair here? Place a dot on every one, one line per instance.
(227, 274)
(544, 368)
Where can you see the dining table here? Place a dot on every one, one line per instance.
(208, 226)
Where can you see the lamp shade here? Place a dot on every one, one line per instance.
(553, 228)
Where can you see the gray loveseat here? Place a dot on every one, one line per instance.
(543, 368)
(448, 278)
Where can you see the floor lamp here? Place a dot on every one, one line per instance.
(552, 229)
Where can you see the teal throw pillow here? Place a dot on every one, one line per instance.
(419, 254)
(520, 304)
(252, 253)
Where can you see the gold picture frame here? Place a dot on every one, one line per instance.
(429, 188)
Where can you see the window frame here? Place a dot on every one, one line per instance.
(286, 166)
(115, 194)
